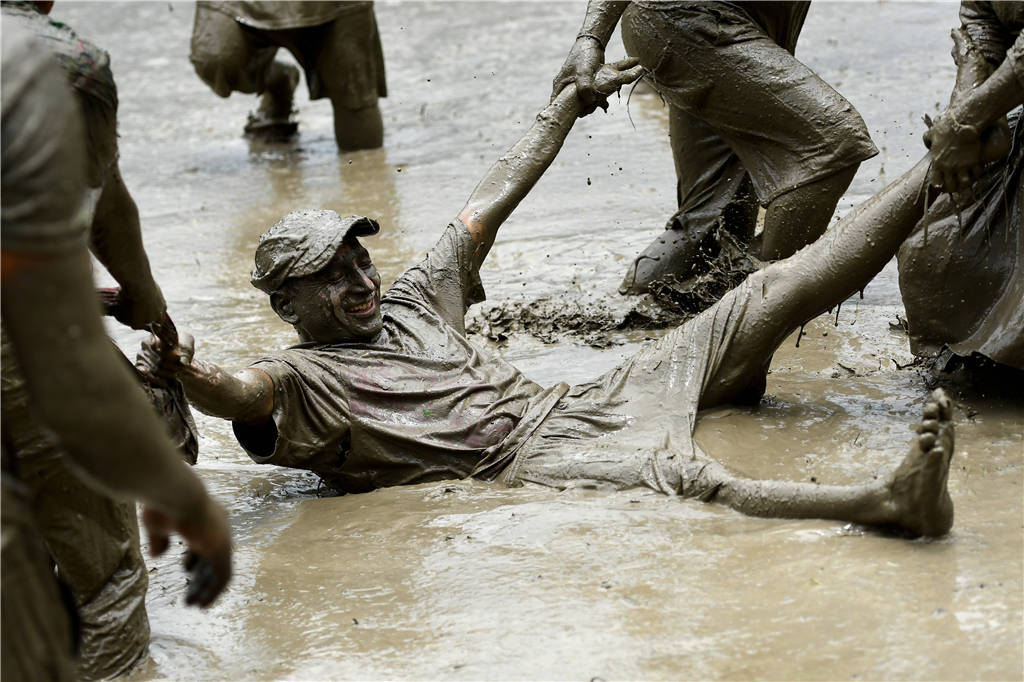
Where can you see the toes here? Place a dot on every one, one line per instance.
(926, 441)
(945, 405)
(931, 411)
(929, 426)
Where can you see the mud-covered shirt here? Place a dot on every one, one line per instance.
(417, 403)
(87, 69)
(43, 173)
(276, 16)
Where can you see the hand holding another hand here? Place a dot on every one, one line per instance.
(956, 152)
(159, 362)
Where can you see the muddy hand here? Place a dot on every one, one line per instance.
(136, 309)
(610, 78)
(580, 67)
(159, 361)
(208, 536)
(956, 153)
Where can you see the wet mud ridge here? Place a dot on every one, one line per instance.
(722, 263)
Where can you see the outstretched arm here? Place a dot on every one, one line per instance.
(512, 177)
(246, 396)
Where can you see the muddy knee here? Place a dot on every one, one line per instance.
(224, 56)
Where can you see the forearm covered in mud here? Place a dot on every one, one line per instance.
(82, 388)
(601, 19)
(246, 396)
(512, 177)
(117, 243)
(986, 103)
(972, 67)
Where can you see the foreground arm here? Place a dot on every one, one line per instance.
(86, 394)
(117, 243)
(511, 178)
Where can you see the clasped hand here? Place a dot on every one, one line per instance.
(594, 80)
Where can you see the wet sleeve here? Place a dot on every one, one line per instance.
(43, 165)
(985, 29)
(446, 279)
(307, 430)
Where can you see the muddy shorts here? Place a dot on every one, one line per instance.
(727, 76)
(342, 59)
(633, 426)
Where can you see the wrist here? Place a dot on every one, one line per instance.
(591, 37)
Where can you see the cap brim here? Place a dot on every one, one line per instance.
(363, 227)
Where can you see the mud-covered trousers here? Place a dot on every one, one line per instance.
(748, 121)
(92, 539)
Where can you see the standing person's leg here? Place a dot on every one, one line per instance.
(344, 62)
(232, 58)
(801, 215)
(712, 188)
(798, 138)
(36, 625)
(92, 538)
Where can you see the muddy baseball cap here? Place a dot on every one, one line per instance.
(302, 243)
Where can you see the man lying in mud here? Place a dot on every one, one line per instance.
(386, 390)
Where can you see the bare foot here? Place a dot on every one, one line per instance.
(918, 488)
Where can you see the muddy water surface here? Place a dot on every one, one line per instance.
(467, 580)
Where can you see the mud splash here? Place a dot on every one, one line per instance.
(722, 262)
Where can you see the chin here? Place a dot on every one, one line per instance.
(370, 330)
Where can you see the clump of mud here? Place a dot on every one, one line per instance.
(590, 318)
(723, 262)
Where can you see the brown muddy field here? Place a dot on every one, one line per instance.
(465, 580)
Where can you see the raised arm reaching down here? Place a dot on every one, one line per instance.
(972, 130)
(512, 177)
(587, 53)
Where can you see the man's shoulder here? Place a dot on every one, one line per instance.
(86, 65)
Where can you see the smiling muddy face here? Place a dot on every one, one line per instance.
(341, 302)
(319, 277)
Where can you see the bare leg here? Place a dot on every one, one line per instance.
(914, 499)
(356, 129)
(823, 274)
(800, 216)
